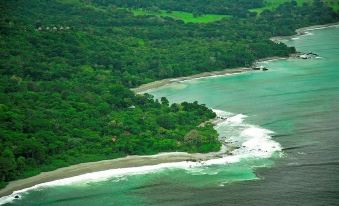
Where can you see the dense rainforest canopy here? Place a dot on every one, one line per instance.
(66, 67)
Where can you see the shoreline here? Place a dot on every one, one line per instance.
(302, 31)
(159, 83)
(119, 163)
(137, 161)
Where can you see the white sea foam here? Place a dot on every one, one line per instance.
(252, 142)
(307, 33)
(100, 176)
(221, 113)
(322, 27)
(209, 77)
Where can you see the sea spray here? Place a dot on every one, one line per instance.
(251, 142)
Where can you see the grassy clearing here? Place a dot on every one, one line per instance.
(273, 4)
(334, 4)
(70, 2)
(180, 15)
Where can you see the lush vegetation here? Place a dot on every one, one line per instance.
(334, 4)
(239, 8)
(273, 4)
(66, 67)
(181, 15)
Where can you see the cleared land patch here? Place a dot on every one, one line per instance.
(180, 15)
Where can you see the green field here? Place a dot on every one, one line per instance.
(273, 4)
(334, 4)
(180, 15)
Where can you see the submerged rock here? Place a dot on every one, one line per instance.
(309, 55)
(259, 68)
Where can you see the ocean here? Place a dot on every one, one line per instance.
(282, 123)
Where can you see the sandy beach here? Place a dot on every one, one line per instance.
(129, 161)
(303, 31)
(143, 88)
(125, 162)
(153, 85)
(135, 161)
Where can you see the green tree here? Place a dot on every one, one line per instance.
(7, 164)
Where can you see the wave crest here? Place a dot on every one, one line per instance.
(250, 141)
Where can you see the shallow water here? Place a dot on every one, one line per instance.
(296, 99)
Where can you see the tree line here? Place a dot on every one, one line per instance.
(64, 93)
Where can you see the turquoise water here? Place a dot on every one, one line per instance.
(296, 99)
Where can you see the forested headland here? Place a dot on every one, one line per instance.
(67, 66)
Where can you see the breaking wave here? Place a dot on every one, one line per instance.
(246, 141)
